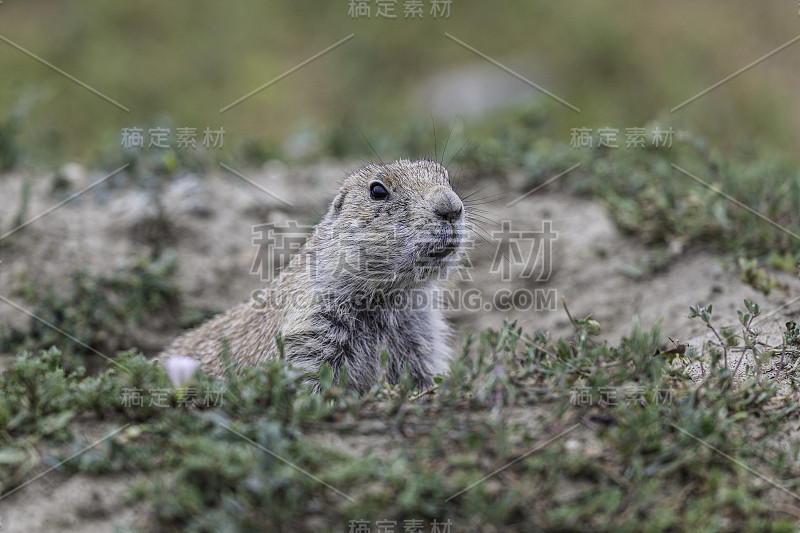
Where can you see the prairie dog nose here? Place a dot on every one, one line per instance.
(446, 204)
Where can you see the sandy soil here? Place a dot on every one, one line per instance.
(591, 265)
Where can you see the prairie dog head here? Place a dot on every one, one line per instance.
(394, 225)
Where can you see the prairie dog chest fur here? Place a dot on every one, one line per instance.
(408, 335)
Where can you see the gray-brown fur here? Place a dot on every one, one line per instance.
(339, 300)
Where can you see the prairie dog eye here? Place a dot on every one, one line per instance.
(378, 191)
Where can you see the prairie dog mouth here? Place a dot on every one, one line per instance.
(443, 245)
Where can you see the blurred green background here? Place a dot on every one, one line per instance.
(622, 62)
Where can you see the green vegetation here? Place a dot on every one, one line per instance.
(561, 433)
(101, 313)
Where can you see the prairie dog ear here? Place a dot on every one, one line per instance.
(338, 202)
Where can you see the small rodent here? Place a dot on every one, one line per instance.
(369, 277)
